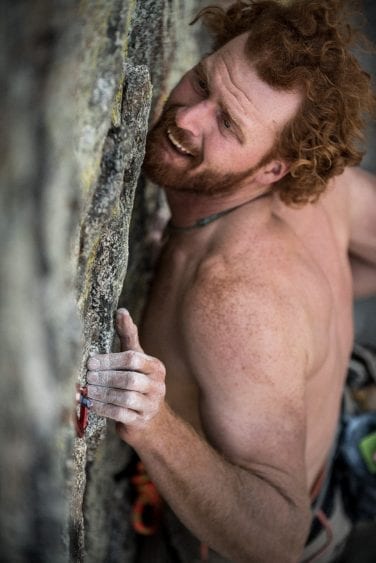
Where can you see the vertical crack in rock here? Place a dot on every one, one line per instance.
(75, 101)
(104, 261)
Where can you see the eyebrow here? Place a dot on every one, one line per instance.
(202, 72)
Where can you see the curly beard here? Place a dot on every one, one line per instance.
(181, 174)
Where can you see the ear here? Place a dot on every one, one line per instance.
(271, 172)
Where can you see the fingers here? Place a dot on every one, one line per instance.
(119, 397)
(119, 414)
(127, 386)
(130, 380)
(118, 387)
(127, 331)
(128, 361)
(121, 403)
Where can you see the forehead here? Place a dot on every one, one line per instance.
(232, 70)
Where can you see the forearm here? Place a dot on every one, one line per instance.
(235, 511)
(255, 513)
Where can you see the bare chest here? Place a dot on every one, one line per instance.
(326, 282)
(161, 332)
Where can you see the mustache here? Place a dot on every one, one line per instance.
(167, 122)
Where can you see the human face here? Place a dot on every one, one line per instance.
(218, 125)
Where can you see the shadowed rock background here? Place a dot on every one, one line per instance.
(80, 80)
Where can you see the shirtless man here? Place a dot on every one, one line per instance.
(250, 314)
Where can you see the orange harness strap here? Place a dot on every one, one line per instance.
(147, 508)
(148, 499)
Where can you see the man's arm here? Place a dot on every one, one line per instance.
(361, 187)
(246, 497)
(247, 350)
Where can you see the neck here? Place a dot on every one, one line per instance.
(191, 210)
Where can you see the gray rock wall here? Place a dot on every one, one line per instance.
(79, 82)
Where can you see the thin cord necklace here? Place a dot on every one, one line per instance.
(211, 218)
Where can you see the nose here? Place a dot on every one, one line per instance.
(195, 118)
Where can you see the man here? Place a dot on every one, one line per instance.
(250, 314)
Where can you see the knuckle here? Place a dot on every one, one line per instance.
(146, 384)
(130, 400)
(131, 379)
(159, 388)
(133, 359)
(137, 382)
(131, 355)
(160, 369)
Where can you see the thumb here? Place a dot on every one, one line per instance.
(127, 331)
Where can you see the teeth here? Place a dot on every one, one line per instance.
(176, 143)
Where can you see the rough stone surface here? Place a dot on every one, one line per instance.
(147, 34)
(79, 79)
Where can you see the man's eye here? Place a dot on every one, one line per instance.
(202, 85)
(226, 121)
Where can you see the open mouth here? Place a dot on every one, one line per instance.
(177, 145)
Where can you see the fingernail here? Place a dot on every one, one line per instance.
(93, 363)
(122, 311)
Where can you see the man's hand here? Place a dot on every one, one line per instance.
(128, 386)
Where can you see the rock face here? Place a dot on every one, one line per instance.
(80, 80)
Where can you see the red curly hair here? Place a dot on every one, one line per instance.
(305, 45)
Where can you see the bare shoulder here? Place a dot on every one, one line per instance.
(357, 181)
(357, 188)
(247, 301)
(360, 186)
(259, 290)
(248, 349)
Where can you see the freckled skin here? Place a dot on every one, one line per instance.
(248, 327)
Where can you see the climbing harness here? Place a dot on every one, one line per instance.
(352, 461)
